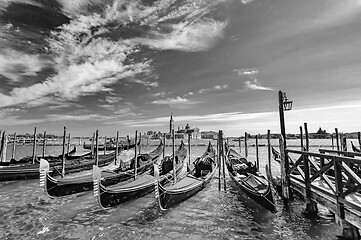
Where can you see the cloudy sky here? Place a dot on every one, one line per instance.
(215, 64)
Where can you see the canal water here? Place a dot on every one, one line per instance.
(28, 213)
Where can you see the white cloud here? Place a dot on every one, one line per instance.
(247, 71)
(215, 88)
(255, 85)
(199, 36)
(173, 101)
(15, 65)
(143, 82)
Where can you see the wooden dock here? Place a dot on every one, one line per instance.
(330, 178)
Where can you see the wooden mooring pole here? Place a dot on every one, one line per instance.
(269, 174)
(135, 155)
(140, 143)
(359, 138)
(189, 149)
(14, 146)
(222, 159)
(173, 156)
(4, 147)
(116, 148)
(257, 155)
(307, 138)
(245, 145)
(219, 159)
(68, 146)
(34, 146)
(164, 145)
(239, 145)
(96, 148)
(44, 143)
(105, 144)
(63, 154)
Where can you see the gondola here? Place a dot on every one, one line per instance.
(31, 171)
(29, 159)
(196, 179)
(116, 194)
(249, 180)
(66, 186)
(111, 146)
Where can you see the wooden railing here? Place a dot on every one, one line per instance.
(336, 171)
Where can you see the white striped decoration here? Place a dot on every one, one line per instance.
(156, 190)
(96, 188)
(42, 178)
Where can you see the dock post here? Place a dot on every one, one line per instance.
(116, 148)
(44, 143)
(245, 145)
(332, 142)
(311, 206)
(34, 146)
(63, 155)
(14, 146)
(359, 138)
(239, 145)
(257, 156)
(337, 142)
(284, 173)
(301, 138)
(307, 138)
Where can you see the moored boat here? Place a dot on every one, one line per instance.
(119, 193)
(245, 175)
(31, 171)
(196, 179)
(57, 187)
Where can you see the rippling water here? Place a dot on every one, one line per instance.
(28, 213)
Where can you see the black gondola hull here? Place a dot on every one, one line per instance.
(265, 200)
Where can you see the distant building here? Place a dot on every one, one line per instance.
(209, 135)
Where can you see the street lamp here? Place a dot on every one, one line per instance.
(287, 104)
(284, 105)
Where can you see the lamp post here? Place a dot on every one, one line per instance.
(284, 105)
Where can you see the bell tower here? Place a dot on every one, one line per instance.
(171, 122)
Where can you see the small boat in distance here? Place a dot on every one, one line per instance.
(196, 179)
(246, 176)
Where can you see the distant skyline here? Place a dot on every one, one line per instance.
(215, 64)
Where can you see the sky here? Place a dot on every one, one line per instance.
(122, 65)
